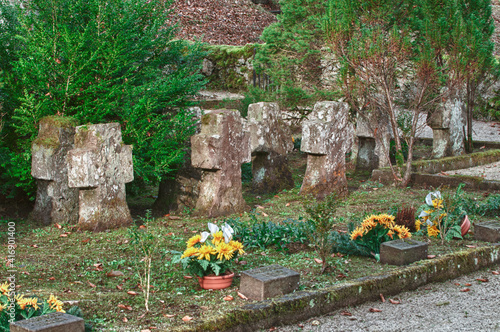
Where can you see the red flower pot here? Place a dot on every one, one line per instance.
(216, 282)
(465, 226)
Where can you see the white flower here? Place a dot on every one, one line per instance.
(213, 228)
(228, 232)
(431, 196)
(204, 236)
(423, 214)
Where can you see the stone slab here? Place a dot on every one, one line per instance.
(488, 231)
(53, 322)
(402, 251)
(268, 281)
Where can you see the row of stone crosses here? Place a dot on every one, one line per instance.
(82, 171)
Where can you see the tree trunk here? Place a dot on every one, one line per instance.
(167, 199)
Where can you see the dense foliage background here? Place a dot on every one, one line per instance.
(97, 61)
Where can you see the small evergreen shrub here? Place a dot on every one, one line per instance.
(265, 234)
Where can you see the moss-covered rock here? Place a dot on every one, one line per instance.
(229, 67)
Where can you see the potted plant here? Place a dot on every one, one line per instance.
(209, 256)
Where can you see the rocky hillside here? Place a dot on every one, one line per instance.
(226, 22)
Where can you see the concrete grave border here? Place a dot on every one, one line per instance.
(302, 305)
(424, 172)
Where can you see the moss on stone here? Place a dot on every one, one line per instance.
(226, 59)
(52, 125)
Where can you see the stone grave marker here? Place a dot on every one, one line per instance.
(488, 231)
(268, 281)
(219, 150)
(99, 166)
(53, 322)
(402, 251)
(326, 141)
(270, 142)
(447, 123)
(370, 150)
(55, 201)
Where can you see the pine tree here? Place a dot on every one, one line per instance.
(99, 61)
(475, 48)
(291, 53)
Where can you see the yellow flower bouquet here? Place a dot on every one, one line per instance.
(17, 307)
(376, 229)
(441, 215)
(210, 253)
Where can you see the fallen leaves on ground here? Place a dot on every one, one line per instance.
(228, 298)
(382, 298)
(132, 293)
(112, 274)
(375, 310)
(395, 301)
(346, 313)
(123, 306)
(465, 290)
(225, 22)
(482, 279)
(242, 296)
(91, 284)
(187, 318)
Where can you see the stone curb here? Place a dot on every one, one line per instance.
(302, 305)
(437, 180)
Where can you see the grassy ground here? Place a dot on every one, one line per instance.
(73, 265)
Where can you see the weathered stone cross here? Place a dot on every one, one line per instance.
(326, 140)
(55, 201)
(99, 166)
(270, 142)
(219, 150)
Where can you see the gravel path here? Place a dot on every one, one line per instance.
(481, 131)
(434, 307)
(488, 172)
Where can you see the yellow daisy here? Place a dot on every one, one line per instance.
(358, 232)
(368, 223)
(4, 288)
(190, 251)
(418, 223)
(390, 233)
(194, 240)
(205, 251)
(437, 203)
(385, 220)
(218, 237)
(237, 246)
(404, 232)
(55, 304)
(30, 301)
(224, 250)
(432, 231)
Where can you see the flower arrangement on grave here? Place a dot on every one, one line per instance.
(441, 216)
(210, 253)
(376, 229)
(24, 307)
